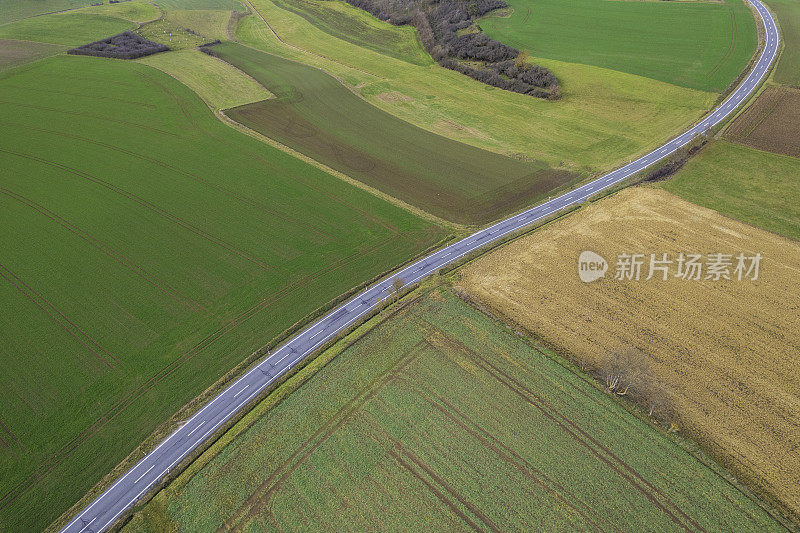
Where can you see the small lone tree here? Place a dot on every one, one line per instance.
(396, 288)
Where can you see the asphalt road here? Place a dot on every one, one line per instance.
(103, 511)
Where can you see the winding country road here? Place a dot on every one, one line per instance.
(104, 510)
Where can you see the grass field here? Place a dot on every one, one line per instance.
(71, 29)
(167, 32)
(229, 5)
(603, 118)
(11, 10)
(218, 83)
(147, 249)
(317, 116)
(340, 20)
(755, 187)
(771, 123)
(725, 353)
(211, 23)
(441, 419)
(697, 44)
(788, 14)
(136, 11)
(14, 53)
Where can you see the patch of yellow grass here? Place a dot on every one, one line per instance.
(210, 23)
(727, 352)
(221, 85)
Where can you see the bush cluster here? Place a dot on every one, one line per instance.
(474, 54)
(126, 45)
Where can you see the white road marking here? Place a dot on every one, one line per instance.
(198, 426)
(241, 391)
(145, 473)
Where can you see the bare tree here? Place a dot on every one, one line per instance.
(396, 288)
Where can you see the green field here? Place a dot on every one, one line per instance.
(11, 10)
(441, 419)
(317, 116)
(340, 20)
(604, 117)
(211, 23)
(218, 83)
(14, 53)
(700, 45)
(135, 11)
(71, 29)
(147, 248)
(755, 187)
(788, 15)
(167, 32)
(229, 5)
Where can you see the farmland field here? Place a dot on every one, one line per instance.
(756, 187)
(603, 117)
(442, 419)
(11, 10)
(317, 116)
(135, 11)
(212, 23)
(772, 122)
(14, 53)
(215, 81)
(342, 21)
(788, 14)
(148, 249)
(700, 45)
(71, 29)
(725, 352)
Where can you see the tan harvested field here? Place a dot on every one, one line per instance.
(727, 353)
(772, 123)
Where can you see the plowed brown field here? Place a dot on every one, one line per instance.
(727, 352)
(772, 123)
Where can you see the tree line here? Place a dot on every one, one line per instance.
(440, 24)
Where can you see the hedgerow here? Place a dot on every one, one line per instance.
(125, 45)
(440, 25)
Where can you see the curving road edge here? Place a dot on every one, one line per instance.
(104, 510)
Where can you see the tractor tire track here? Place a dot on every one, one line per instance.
(165, 372)
(603, 453)
(60, 318)
(147, 205)
(117, 257)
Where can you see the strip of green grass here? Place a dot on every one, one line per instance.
(442, 419)
(360, 28)
(759, 188)
(316, 115)
(71, 29)
(788, 13)
(700, 45)
(146, 249)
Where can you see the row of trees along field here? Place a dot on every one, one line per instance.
(444, 29)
